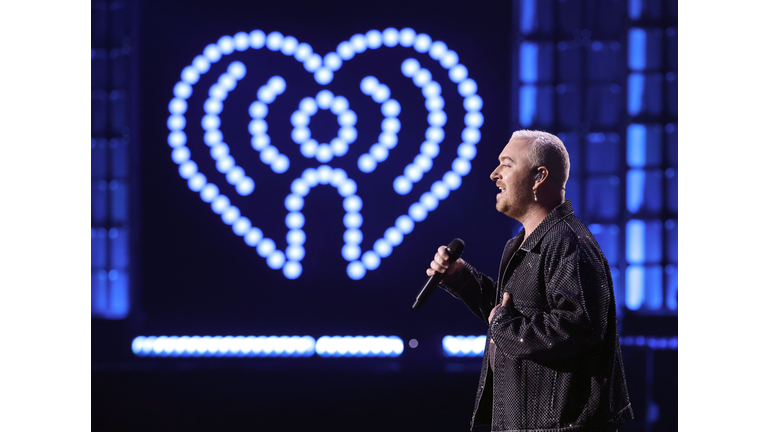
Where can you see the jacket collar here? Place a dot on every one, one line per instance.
(555, 216)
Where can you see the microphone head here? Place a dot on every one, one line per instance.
(455, 249)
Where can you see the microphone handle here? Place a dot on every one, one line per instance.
(427, 290)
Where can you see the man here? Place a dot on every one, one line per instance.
(552, 358)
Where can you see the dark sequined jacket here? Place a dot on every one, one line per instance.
(557, 363)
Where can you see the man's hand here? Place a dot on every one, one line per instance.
(440, 264)
(504, 301)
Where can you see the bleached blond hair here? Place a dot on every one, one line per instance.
(547, 150)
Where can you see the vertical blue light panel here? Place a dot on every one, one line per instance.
(118, 247)
(644, 287)
(118, 149)
(535, 105)
(602, 197)
(644, 94)
(636, 42)
(98, 158)
(569, 105)
(536, 16)
(643, 241)
(603, 153)
(644, 191)
(99, 296)
(644, 143)
(607, 236)
(98, 247)
(118, 294)
(119, 201)
(99, 201)
(529, 62)
(118, 107)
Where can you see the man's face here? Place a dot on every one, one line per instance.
(513, 177)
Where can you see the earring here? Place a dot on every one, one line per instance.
(534, 195)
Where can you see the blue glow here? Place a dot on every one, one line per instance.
(218, 91)
(345, 50)
(226, 44)
(274, 41)
(253, 236)
(294, 220)
(368, 85)
(636, 183)
(241, 226)
(212, 137)
(371, 260)
(296, 237)
(323, 76)
(294, 203)
(182, 90)
(429, 201)
(635, 90)
(196, 182)
(452, 180)
(437, 50)
(292, 270)
(355, 270)
(350, 251)
(468, 87)
(245, 186)
(187, 169)
(290, 44)
(339, 106)
(353, 236)
(226, 82)
(201, 64)
(423, 162)
(464, 346)
(303, 51)
(422, 77)
(637, 40)
(366, 163)
(212, 53)
(413, 173)
(435, 103)
(473, 103)
(431, 90)
(219, 204)
(223, 346)
(435, 134)
(348, 188)
(265, 247)
(402, 185)
(209, 192)
(417, 212)
(449, 60)
(210, 122)
(389, 37)
(382, 247)
(393, 237)
(373, 39)
(213, 106)
(422, 43)
(257, 39)
(230, 215)
(190, 75)
(359, 346)
(391, 125)
(235, 175)
(275, 260)
(636, 145)
(241, 41)
(470, 135)
(410, 67)
(461, 166)
(381, 94)
(635, 241)
(353, 220)
(177, 106)
(407, 36)
(635, 291)
(527, 104)
(529, 60)
(429, 149)
(671, 284)
(353, 203)
(359, 44)
(457, 73)
(180, 154)
(405, 224)
(467, 151)
(440, 190)
(438, 119)
(347, 118)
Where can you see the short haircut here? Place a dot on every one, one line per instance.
(547, 150)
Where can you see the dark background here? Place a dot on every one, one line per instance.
(191, 275)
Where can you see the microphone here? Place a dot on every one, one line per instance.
(454, 250)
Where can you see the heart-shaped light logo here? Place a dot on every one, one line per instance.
(323, 69)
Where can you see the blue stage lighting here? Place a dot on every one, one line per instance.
(269, 155)
(449, 60)
(393, 236)
(296, 237)
(473, 119)
(226, 82)
(190, 75)
(277, 84)
(332, 61)
(388, 140)
(635, 287)
(467, 87)
(201, 64)
(382, 247)
(436, 118)
(434, 104)
(257, 127)
(323, 76)
(209, 192)
(410, 67)
(212, 137)
(467, 151)
(353, 236)
(353, 204)
(230, 215)
(218, 91)
(473, 103)
(452, 180)
(276, 259)
(180, 154)
(292, 270)
(424, 162)
(470, 135)
(182, 90)
(429, 201)
(371, 260)
(280, 164)
(226, 44)
(353, 220)
(422, 77)
(212, 53)
(294, 220)
(368, 85)
(225, 164)
(257, 39)
(431, 90)
(405, 224)
(290, 44)
(213, 106)
(373, 39)
(429, 148)
(464, 346)
(407, 36)
(197, 182)
(313, 62)
(348, 188)
(379, 152)
(390, 108)
(390, 36)
(350, 251)
(294, 203)
(339, 106)
(303, 51)
(210, 122)
(440, 190)
(391, 125)
(265, 247)
(402, 185)
(366, 163)
(245, 186)
(457, 73)
(435, 134)
(177, 106)
(413, 173)
(358, 42)
(345, 50)
(241, 41)
(219, 204)
(381, 94)
(437, 50)
(299, 119)
(422, 43)
(355, 270)
(274, 41)
(417, 212)
(187, 169)
(241, 226)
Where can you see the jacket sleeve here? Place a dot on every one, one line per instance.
(577, 291)
(475, 289)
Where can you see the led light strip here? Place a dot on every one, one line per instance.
(260, 141)
(390, 126)
(464, 346)
(346, 118)
(359, 346)
(654, 343)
